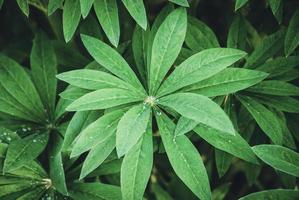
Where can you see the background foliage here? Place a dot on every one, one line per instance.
(131, 99)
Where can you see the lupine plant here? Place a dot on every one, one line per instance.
(157, 100)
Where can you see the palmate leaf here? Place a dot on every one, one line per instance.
(70, 18)
(131, 127)
(137, 10)
(199, 67)
(184, 158)
(22, 151)
(111, 60)
(18, 92)
(44, 68)
(136, 167)
(94, 191)
(266, 120)
(280, 158)
(107, 14)
(104, 98)
(166, 47)
(228, 81)
(292, 36)
(277, 194)
(199, 108)
(97, 132)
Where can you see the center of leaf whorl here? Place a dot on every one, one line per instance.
(150, 100)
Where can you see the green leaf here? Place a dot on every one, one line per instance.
(184, 125)
(278, 157)
(56, 168)
(221, 191)
(265, 50)
(1, 3)
(199, 36)
(78, 123)
(223, 162)
(24, 6)
(70, 18)
(232, 144)
(180, 2)
(199, 67)
(266, 120)
(98, 154)
(292, 36)
(96, 132)
(22, 151)
(111, 60)
(53, 5)
(277, 194)
(240, 3)
(237, 33)
(94, 191)
(107, 14)
(93, 80)
(104, 98)
(228, 81)
(166, 46)
(136, 167)
(131, 127)
(44, 68)
(72, 93)
(160, 193)
(273, 87)
(137, 10)
(277, 9)
(85, 6)
(184, 159)
(279, 65)
(199, 108)
(19, 92)
(139, 46)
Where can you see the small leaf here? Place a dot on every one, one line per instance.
(278, 157)
(286, 104)
(166, 46)
(184, 125)
(44, 68)
(232, 144)
(137, 10)
(107, 14)
(111, 60)
(266, 120)
(199, 36)
(277, 194)
(265, 50)
(237, 33)
(180, 2)
(96, 132)
(136, 167)
(291, 40)
(184, 159)
(98, 154)
(199, 108)
(240, 3)
(70, 18)
(53, 5)
(226, 82)
(24, 6)
(22, 151)
(131, 127)
(199, 67)
(273, 87)
(85, 6)
(104, 98)
(277, 9)
(94, 191)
